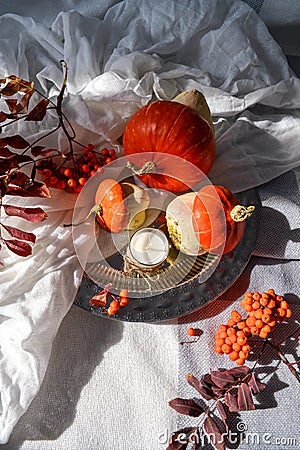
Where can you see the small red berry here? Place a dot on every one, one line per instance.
(71, 183)
(191, 332)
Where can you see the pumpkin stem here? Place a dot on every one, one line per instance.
(240, 213)
(148, 167)
(95, 209)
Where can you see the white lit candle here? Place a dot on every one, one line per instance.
(149, 247)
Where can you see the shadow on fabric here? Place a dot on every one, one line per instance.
(78, 349)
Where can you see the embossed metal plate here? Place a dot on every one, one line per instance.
(191, 294)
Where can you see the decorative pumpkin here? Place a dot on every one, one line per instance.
(165, 129)
(179, 215)
(120, 206)
(219, 220)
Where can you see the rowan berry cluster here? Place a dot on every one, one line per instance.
(73, 178)
(118, 302)
(264, 310)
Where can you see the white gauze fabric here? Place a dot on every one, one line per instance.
(132, 52)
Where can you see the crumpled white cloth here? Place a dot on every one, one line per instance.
(118, 61)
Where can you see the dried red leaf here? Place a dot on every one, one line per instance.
(231, 401)
(198, 385)
(8, 164)
(3, 116)
(35, 190)
(12, 105)
(11, 88)
(255, 385)
(16, 107)
(39, 111)
(214, 433)
(20, 234)
(30, 214)
(222, 379)
(6, 153)
(245, 400)
(23, 158)
(239, 372)
(99, 299)
(218, 392)
(187, 407)
(19, 247)
(38, 150)
(222, 411)
(25, 86)
(15, 141)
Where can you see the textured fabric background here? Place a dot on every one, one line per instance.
(108, 383)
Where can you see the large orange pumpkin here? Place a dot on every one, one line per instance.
(165, 128)
(219, 220)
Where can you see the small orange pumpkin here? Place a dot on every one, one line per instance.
(120, 206)
(219, 219)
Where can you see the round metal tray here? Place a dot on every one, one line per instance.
(201, 287)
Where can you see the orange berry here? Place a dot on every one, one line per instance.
(256, 296)
(255, 305)
(236, 347)
(223, 335)
(254, 331)
(115, 305)
(77, 189)
(272, 323)
(281, 312)
(266, 329)
(233, 355)
(241, 340)
(231, 322)
(246, 348)
(228, 341)
(250, 321)
(248, 294)
(288, 313)
(124, 293)
(266, 318)
(218, 350)
(271, 291)
(53, 179)
(241, 325)
(47, 173)
(263, 334)
(68, 172)
(124, 301)
(271, 304)
(243, 355)
(264, 301)
(71, 183)
(258, 314)
(284, 304)
(247, 331)
(232, 338)
(236, 316)
(222, 328)
(226, 348)
(248, 308)
(259, 323)
(61, 184)
(111, 311)
(240, 361)
(220, 342)
(191, 332)
(268, 311)
(230, 331)
(240, 333)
